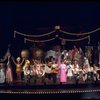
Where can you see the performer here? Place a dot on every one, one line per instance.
(98, 71)
(18, 67)
(99, 53)
(86, 62)
(70, 55)
(43, 74)
(74, 53)
(40, 71)
(9, 76)
(8, 71)
(54, 70)
(88, 73)
(76, 71)
(88, 53)
(5, 58)
(33, 74)
(63, 70)
(37, 64)
(2, 73)
(95, 73)
(75, 65)
(81, 58)
(48, 70)
(69, 70)
(26, 70)
(92, 73)
(84, 72)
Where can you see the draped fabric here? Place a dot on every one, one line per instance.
(9, 75)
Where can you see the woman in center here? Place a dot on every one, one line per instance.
(63, 70)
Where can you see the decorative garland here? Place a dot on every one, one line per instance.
(73, 40)
(25, 39)
(56, 36)
(15, 32)
(86, 33)
(87, 37)
(55, 28)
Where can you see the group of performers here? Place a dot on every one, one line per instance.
(67, 66)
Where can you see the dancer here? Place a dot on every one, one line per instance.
(95, 73)
(76, 72)
(84, 72)
(18, 67)
(48, 70)
(81, 58)
(86, 62)
(40, 71)
(2, 73)
(69, 70)
(9, 75)
(54, 70)
(63, 70)
(26, 70)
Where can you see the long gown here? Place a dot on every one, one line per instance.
(63, 69)
(9, 76)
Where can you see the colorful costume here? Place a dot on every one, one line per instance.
(69, 72)
(63, 69)
(26, 70)
(18, 67)
(54, 72)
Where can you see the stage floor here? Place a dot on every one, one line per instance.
(69, 90)
(53, 92)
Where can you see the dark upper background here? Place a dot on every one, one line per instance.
(41, 17)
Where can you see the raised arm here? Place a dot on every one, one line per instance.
(4, 59)
(22, 62)
(13, 60)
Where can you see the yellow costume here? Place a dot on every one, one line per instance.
(18, 68)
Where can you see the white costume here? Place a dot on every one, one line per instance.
(86, 62)
(47, 69)
(2, 76)
(69, 72)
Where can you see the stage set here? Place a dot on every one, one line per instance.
(56, 71)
